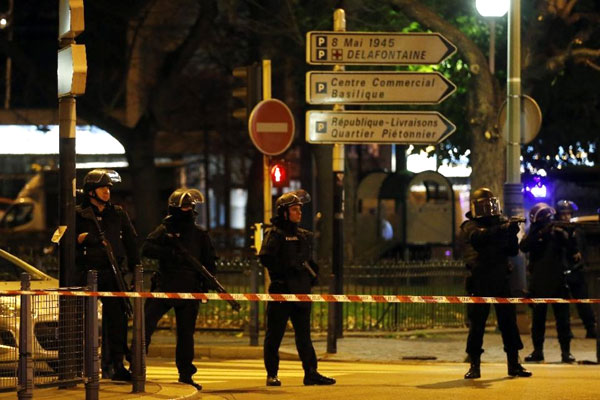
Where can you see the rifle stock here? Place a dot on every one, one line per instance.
(517, 220)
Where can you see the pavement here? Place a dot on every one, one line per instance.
(413, 347)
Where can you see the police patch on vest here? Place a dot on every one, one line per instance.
(287, 238)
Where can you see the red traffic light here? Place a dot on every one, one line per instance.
(279, 174)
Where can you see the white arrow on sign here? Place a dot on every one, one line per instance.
(381, 48)
(386, 127)
(379, 87)
(280, 127)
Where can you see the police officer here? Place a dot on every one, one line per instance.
(489, 239)
(94, 213)
(287, 254)
(575, 267)
(546, 245)
(177, 275)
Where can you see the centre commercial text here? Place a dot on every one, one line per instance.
(353, 86)
(362, 127)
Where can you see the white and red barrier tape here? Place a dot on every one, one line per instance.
(313, 298)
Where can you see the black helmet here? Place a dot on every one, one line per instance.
(566, 206)
(289, 199)
(541, 213)
(184, 197)
(98, 178)
(484, 203)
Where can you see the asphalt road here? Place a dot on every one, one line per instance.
(245, 380)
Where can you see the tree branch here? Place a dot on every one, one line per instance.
(483, 86)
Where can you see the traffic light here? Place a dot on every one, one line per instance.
(72, 60)
(280, 174)
(249, 92)
(6, 13)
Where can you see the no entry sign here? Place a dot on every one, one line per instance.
(271, 127)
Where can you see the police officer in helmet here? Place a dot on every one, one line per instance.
(287, 254)
(489, 239)
(91, 252)
(547, 246)
(575, 273)
(177, 275)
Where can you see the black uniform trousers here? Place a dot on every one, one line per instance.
(278, 314)
(507, 323)
(538, 324)
(114, 321)
(186, 312)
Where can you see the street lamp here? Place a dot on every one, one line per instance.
(492, 9)
(513, 197)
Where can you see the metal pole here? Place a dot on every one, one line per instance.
(253, 323)
(513, 198)
(25, 369)
(267, 189)
(335, 310)
(67, 123)
(92, 370)
(9, 38)
(266, 94)
(492, 55)
(138, 357)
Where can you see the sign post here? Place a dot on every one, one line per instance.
(338, 127)
(72, 71)
(271, 127)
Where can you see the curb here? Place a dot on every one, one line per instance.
(219, 352)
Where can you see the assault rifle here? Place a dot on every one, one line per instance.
(114, 266)
(516, 220)
(197, 265)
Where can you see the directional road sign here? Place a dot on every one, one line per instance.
(271, 127)
(387, 127)
(381, 48)
(377, 87)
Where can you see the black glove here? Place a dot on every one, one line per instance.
(560, 233)
(513, 228)
(92, 239)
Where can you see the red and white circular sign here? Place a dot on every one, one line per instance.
(271, 127)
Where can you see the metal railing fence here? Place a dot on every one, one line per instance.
(413, 278)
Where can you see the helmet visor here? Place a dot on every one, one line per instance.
(100, 176)
(185, 198)
(293, 198)
(485, 207)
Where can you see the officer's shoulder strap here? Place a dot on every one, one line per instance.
(84, 212)
(274, 230)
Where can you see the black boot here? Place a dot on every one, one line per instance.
(590, 333)
(536, 356)
(565, 353)
(474, 371)
(273, 381)
(121, 373)
(312, 377)
(107, 371)
(514, 368)
(188, 380)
